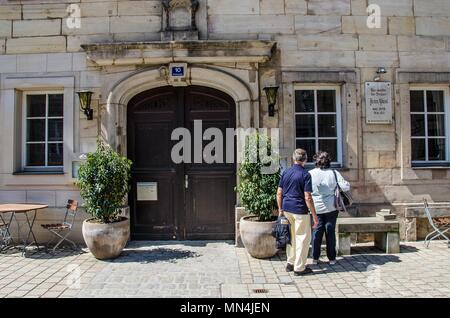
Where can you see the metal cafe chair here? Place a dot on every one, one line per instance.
(440, 227)
(62, 230)
(5, 236)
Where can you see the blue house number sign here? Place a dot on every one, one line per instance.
(178, 71)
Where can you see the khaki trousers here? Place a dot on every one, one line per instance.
(297, 251)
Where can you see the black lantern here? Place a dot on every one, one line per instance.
(85, 103)
(271, 93)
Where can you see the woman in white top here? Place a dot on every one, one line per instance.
(324, 186)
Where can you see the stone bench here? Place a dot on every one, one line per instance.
(387, 233)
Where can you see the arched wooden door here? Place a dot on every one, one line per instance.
(186, 200)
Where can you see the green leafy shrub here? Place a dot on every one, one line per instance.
(257, 190)
(104, 183)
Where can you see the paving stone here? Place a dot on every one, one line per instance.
(51, 294)
(17, 294)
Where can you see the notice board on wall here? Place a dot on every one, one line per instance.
(378, 102)
(147, 191)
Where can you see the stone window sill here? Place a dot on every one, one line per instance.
(334, 167)
(430, 167)
(30, 173)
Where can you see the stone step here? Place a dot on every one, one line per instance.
(386, 215)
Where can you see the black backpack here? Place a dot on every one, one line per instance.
(282, 232)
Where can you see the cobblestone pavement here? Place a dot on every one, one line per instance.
(415, 272)
(192, 269)
(145, 269)
(218, 269)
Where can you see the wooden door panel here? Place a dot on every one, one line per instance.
(156, 219)
(204, 210)
(153, 152)
(211, 201)
(210, 198)
(152, 116)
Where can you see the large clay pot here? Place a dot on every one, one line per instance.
(257, 237)
(106, 241)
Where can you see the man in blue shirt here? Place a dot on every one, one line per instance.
(294, 199)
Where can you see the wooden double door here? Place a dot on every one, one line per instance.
(187, 200)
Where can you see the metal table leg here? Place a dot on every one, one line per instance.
(7, 233)
(18, 227)
(30, 232)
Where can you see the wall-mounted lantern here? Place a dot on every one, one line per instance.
(85, 97)
(271, 94)
(381, 70)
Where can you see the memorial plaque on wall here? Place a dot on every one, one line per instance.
(378, 103)
(147, 191)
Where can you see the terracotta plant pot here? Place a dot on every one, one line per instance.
(106, 241)
(257, 237)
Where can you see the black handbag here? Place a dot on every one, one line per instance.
(342, 199)
(282, 232)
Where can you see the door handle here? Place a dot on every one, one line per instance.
(186, 181)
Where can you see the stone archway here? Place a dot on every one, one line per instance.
(233, 82)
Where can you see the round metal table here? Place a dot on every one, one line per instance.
(25, 208)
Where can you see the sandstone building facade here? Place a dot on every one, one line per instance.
(323, 54)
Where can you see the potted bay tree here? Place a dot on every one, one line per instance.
(104, 183)
(257, 188)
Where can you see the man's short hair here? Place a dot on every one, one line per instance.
(300, 155)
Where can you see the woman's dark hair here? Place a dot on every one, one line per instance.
(322, 159)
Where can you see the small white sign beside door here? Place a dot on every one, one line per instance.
(147, 191)
(378, 102)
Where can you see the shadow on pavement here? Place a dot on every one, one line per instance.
(135, 251)
(159, 254)
(357, 262)
(363, 259)
(183, 243)
(368, 249)
(42, 253)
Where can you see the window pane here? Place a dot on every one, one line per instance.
(436, 125)
(327, 125)
(305, 125)
(55, 130)
(435, 101)
(418, 149)
(304, 101)
(35, 129)
(36, 155)
(55, 154)
(309, 146)
(330, 146)
(418, 125)
(326, 101)
(55, 105)
(416, 101)
(436, 149)
(36, 105)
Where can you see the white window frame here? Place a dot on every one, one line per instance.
(338, 114)
(446, 91)
(46, 167)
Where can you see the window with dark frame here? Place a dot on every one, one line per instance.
(317, 122)
(44, 116)
(429, 135)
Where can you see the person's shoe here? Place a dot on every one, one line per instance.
(315, 261)
(306, 271)
(333, 262)
(289, 268)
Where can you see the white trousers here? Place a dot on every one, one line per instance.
(297, 251)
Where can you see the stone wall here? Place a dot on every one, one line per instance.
(36, 41)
